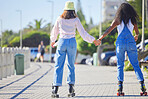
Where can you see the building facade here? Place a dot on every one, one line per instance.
(147, 12)
(110, 8)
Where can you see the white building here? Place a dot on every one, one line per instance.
(109, 8)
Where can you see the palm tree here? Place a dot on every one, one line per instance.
(47, 28)
(37, 25)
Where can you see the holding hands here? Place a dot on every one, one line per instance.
(97, 42)
(52, 44)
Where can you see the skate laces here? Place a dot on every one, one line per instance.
(143, 87)
(119, 87)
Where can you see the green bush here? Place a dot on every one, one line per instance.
(128, 68)
(84, 47)
(140, 35)
(145, 69)
(31, 39)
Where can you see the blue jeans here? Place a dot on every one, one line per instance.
(65, 47)
(126, 42)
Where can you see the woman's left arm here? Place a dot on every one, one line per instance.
(86, 37)
(54, 33)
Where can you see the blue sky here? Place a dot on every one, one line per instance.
(37, 9)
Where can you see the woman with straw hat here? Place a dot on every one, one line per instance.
(66, 25)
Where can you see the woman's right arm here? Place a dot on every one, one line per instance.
(136, 31)
(55, 31)
(112, 26)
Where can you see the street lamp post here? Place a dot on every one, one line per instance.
(1, 33)
(100, 32)
(50, 53)
(142, 42)
(20, 11)
(142, 39)
(100, 19)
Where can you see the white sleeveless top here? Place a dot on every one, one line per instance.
(120, 27)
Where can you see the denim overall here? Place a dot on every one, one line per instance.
(65, 47)
(126, 42)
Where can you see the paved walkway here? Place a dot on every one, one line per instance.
(95, 82)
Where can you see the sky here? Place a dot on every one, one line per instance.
(37, 9)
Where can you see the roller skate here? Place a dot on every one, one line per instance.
(120, 93)
(143, 89)
(54, 92)
(71, 90)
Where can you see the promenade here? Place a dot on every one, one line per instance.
(92, 82)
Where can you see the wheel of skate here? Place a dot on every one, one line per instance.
(122, 94)
(57, 96)
(53, 96)
(73, 94)
(145, 93)
(68, 95)
(141, 94)
(118, 94)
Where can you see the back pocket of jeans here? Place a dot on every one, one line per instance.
(132, 46)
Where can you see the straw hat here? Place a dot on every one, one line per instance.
(69, 5)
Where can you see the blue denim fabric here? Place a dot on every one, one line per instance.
(126, 42)
(65, 47)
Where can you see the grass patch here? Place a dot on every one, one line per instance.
(146, 70)
(128, 67)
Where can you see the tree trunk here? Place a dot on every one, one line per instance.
(142, 55)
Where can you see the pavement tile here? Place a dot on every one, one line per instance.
(92, 82)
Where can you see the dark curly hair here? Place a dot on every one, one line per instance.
(126, 12)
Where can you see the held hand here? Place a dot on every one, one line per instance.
(97, 42)
(136, 37)
(52, 43)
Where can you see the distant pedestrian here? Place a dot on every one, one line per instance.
(66, 25)
(41, 50)
(125, 21)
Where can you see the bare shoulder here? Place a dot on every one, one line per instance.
(135, 25)
(116, 22)
(39, 46)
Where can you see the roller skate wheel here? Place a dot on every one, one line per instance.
(122, 94)
(141, 94)
(118, 94)
(71, 94)
(55, 96)
(145, 93)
